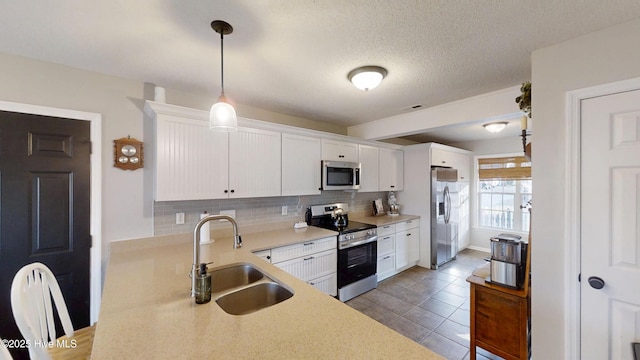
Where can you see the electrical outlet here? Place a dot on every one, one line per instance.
(284, 210)
(231, 213)
(179, 218)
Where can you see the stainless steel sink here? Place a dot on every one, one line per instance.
(242, 288)
(253, 298)
(234, 276)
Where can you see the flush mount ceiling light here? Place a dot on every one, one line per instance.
(495, 127)
(222, 116)
(367, 77)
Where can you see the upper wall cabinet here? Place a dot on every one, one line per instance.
(368, 157)
(301, 156)
(391, 170)
(254, 163)
(187, 161)
(190, 162)
(339, 150)
(451, 157)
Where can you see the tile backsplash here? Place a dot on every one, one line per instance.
(254, 211)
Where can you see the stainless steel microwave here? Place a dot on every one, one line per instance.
(340, 175)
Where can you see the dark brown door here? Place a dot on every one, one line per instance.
(44, 208)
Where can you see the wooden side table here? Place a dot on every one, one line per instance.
(500, 317)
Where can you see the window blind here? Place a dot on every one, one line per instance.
(504, 168)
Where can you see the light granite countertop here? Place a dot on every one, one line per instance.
(147, 312)
(384, 219)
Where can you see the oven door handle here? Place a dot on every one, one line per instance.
(362, 242)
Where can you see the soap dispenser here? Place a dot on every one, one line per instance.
(203, 285)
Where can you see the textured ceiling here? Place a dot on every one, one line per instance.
(292, 57)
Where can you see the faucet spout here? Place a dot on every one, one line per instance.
(237, 243)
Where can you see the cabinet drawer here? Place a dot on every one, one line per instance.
(386, 264)
(303, 249)
(409, 224)
(312, 266)
(327, 284)
(386, 230)
(386, 244)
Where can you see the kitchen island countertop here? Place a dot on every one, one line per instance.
(147, 312)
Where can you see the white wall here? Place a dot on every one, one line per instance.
(604, 56)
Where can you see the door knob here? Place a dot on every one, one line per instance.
(596, 282)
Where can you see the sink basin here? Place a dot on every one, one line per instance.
(234, 276)
(253, 298)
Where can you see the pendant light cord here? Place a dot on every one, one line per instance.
(222, 62)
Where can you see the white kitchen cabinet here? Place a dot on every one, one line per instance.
(301, 156)
(386, 265)
(407, 243)
(315, 262)
(454, 159)
(397, 247)
(391, 176)
(339, 150)
(311, 267)
(254, 163)
(191, 162)
(368, 157)
(386, 251)
(327, 284)
(288, 252)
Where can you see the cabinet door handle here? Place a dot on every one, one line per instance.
(392, 186)
(309, 243)
(408, 234)
(232, 191)
(226, 191)
(386, 257)
(309, 258)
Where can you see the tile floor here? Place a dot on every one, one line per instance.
(429, 306)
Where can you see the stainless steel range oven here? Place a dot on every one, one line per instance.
(357, 248)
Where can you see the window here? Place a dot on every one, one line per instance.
(504, 188)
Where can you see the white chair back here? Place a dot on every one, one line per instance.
(4, 352)
(31, 291)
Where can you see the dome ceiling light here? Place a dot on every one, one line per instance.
(367, 77)
(495, 127)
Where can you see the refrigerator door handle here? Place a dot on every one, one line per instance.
(447, 199)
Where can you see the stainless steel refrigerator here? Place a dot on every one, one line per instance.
(444, 215)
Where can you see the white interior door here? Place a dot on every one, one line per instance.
(610, 225)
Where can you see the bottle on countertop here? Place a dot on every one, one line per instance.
(203, 285)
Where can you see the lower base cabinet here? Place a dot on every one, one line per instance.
(315, 262)
(398, 247)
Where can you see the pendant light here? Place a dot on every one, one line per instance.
(222, 116)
